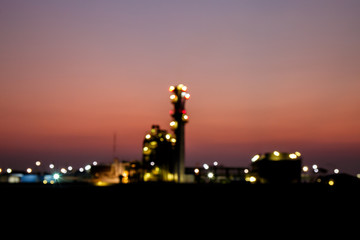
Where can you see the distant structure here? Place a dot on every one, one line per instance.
(157, 160)
(276, 167)
(178, 97)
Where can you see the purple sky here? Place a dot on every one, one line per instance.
(263, 76)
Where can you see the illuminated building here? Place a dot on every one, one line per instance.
(158, 161)
(178, 97)
(276, 167)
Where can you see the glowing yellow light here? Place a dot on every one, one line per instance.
(185, 117)
(9, 170)
(147, 136)
(298, 154)
(276, 153)
(255, 158)
(173, 140)
(305, 168)
(180, 86)
(145, 149)
(331, 182)
(153, 144)
(147, 177)
(184, 88)
(292, 156)
(45, 181)
(252, 179)
(168, 136)
(173, 124)
(171, 88)
(101, 184)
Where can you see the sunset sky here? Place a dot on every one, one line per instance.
(263, 76)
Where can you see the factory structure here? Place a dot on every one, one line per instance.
(163, 160)
(276, 167)
(164, 153)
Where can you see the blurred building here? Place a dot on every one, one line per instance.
(276, 167)
(158, 162)
(116, 172)
(178, 97)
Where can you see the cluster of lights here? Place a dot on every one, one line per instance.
(277, 154)
(206, 166)
(55, 175)
(152, 138)
(178, 93)
(316, 169)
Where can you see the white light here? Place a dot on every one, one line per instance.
(9, 170)
(246, 170)
(70, 168)
(196, 170)
(314, 166)
(95, 163)
(51, 166)
(216, 163)
(29, 170)
(87, 167)
(56, 176)
(152, 163)
(147, 136)
(81, 169)
(37, 163)
(293, 156)
(255, 158)
(305, 168)
(276, 153)
(206, 166)
(63, 170)
(336, 171)
(210, 175)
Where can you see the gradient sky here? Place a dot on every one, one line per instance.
(263, 76)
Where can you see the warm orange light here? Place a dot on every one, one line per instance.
(187, 96)
(171, 88)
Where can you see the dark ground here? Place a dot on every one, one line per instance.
(174, 210)
(190, 195)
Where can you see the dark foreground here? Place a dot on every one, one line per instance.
(187, 209)
(192, 195)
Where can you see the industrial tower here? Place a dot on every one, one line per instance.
(178, 98)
